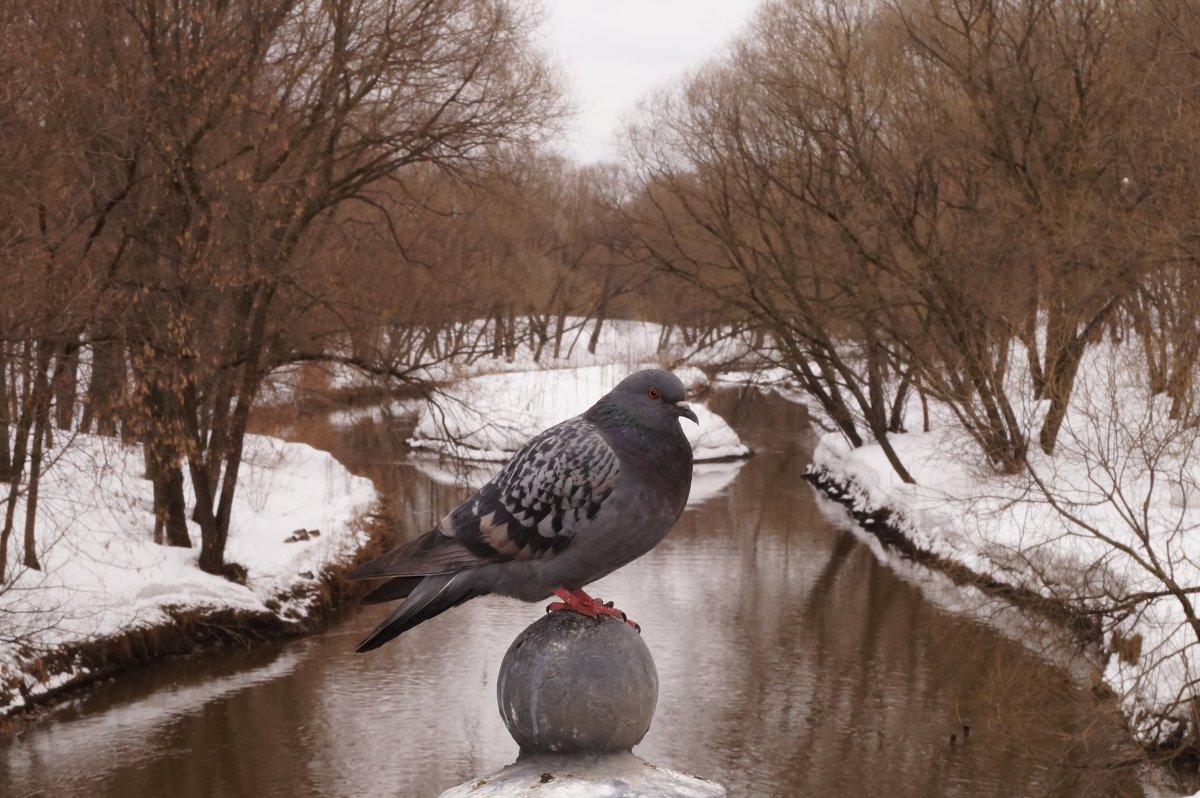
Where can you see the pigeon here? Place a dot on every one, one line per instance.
(575, 503)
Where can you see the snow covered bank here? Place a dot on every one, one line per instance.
(1107, 526)
(464, 351)
(103, 576)
(489, 417)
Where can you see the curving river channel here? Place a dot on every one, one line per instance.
(793, 660)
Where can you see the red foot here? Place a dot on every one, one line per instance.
(578, 601)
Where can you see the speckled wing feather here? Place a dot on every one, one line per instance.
(530, 510)
(541, 497)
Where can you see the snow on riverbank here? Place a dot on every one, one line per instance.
(491, 416)
(102, 575)
(622, 343)
(626, 342)
(1087, 526)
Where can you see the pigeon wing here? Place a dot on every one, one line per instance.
(531, 510)
(546, 493)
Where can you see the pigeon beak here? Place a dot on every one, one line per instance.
(685, 411)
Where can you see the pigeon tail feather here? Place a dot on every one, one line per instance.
(433, 596)
(395, 588)
(431, 553)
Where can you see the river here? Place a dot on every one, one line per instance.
(794, 660)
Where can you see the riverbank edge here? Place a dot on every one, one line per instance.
(888, 526)
(191, 631)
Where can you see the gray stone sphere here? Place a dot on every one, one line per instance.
(578, 684)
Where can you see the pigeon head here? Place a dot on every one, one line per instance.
(653, 395)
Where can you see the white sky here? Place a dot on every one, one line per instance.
(616, 51)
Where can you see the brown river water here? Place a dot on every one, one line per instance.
(794, 660)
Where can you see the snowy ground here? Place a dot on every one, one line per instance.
(1118, 500)
(102, 574)
(623, 344)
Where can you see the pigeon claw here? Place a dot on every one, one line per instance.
(582, 603)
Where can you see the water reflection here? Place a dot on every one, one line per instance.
(792, 663)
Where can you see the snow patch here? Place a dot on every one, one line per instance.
(103, 575)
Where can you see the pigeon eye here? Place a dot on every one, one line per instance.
(652, 393)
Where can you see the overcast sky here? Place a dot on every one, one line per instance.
(615, 51)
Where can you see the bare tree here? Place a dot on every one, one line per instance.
(1049, 99)
(899, 193)
(213, 151)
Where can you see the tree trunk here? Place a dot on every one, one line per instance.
(893, 459)
(1067, 344)
(1028, 334)
(1059, 385)
(664, 338)
(103, 400)
(176, 509)
(66, 384)
(510, 340)
(594, 340)
(830, 398)
(20, 451)
(538, 336)
(214, 518)
(31, 499)
(1180, 385)
(560, 330)
(498, 334)
(899, 402)
(170, 510)
(876, 411)
(40, 404)
(212, 544)
(5, 419)
(1154, 352)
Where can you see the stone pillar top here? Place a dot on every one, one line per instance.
(570, 683)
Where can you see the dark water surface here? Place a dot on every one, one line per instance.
(792, 663)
